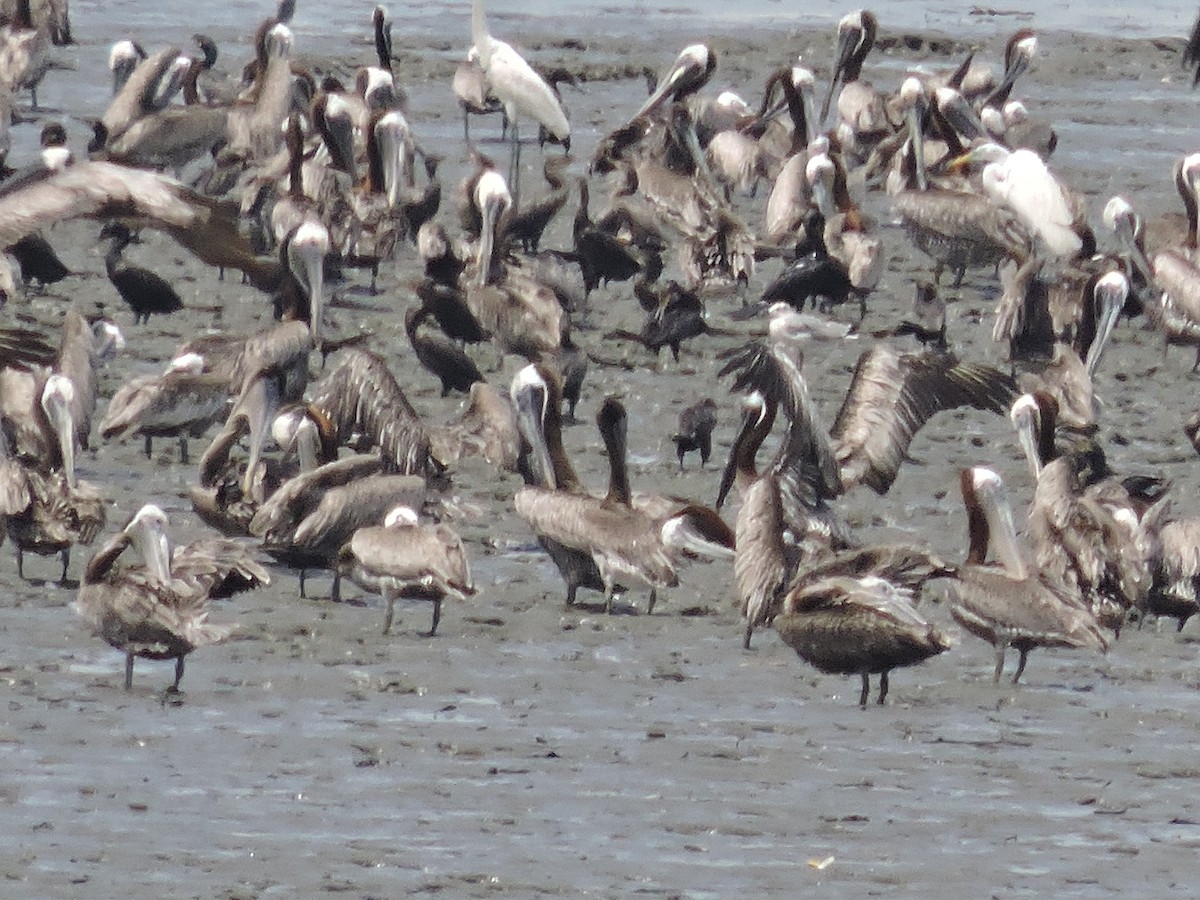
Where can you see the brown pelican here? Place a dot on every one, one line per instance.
(862, 119)
(1008, 602)
(23, 51)
(360, 395)
(1178, 312)
(846, 234)
(1018, 54)
(159, 609)
(406, 560)
(181, 402)
(692, 69)
(1174, 554)
(856, 625)
(148, 89)
(487, 427)
(255, 128)
(123, 58)
(891, 396)
(102, 190)
(46, 416)
(521, 90)
(314, 514)
(642, 541)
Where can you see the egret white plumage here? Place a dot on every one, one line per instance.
(521, 90)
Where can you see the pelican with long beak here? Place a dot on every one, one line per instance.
(692, 69)
(493, 201)
(306, 252)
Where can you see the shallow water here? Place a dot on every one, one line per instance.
(530, 750)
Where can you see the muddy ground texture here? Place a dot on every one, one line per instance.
(533, 750)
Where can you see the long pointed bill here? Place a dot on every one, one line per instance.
(846, 45)
(258, 403)
(389, 132)
(306, 259)
(530, 399)
(1024, 417)
(1110, 294)
(916, 137)
(750, 417)
(57, 397)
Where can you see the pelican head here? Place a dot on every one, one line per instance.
(401, 517)
(493, 201)
(1187, 182)
(531, 398)
(148, 532)
(123, 58)
(392, 142)
(692, 69)
(306, 253)
(279, 41)
(757, 419)
(820, 173)
(108, 340)
(57, 397)
(1025, 416)
(855, 38)
(1109, 294)
(192, 363)
(378, 87)
(985, 495)
(294, 429)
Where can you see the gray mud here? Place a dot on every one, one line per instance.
(530, 750)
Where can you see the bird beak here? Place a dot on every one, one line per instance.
(749, 419)
(916, 137)
(58, 411)
(531, 407)
(1110, 300)
(1023, 420)
(259, 404)
(848, 40)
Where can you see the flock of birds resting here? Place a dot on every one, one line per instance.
(293, 178)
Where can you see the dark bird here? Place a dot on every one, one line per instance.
(449, 364)
(696, 424)
(38, 261)
(144, 291)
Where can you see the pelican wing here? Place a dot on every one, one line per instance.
(773, 369)
(360, 394)
(960, 217)
(893, 395)
(217, 568)
(206, 227)
(430, 556)
(280, 349)
(299, 496)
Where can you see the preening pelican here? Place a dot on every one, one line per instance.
(159, 609)
(406, 560)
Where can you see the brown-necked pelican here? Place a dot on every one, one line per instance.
(405, 560)
(862, 119)
(123, 58)
(159, 609)
(1008, 602)
(692, 69)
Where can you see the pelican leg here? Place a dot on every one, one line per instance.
(466, 125)
(174, 688)
(883, 687)
(20, 563)
(999, 663)
(391, 609)
(959, 274)
(303, 575)
(128, 670)
(1020, 666)
(183, 449)
(148, 447)
(66, 561)
(437, 617)
(335, 593)
(866, 690)
(608, 595)
(746, 636)
(653, 600)
(572, 590)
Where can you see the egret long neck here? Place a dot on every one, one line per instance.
(479, 33)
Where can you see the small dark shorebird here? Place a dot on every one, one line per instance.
(696, 424)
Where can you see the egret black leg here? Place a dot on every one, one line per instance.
(1020, 666)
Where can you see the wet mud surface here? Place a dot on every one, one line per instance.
(532, 750)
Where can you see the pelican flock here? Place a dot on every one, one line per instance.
(256, 196)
